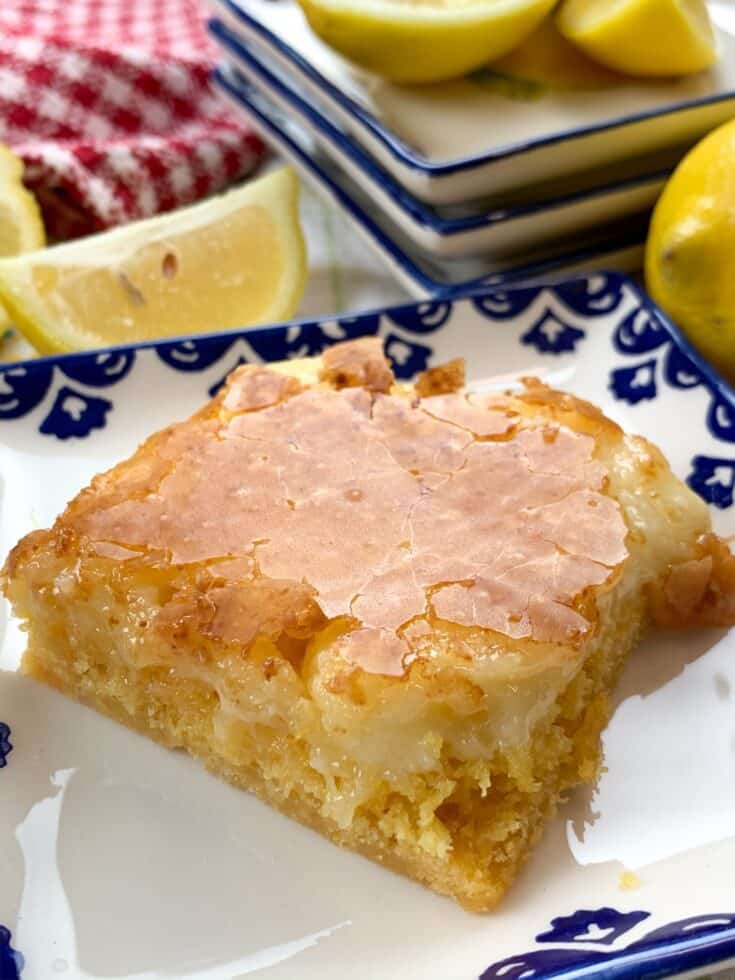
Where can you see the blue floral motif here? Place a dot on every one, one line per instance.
(11, 962)
(602, 926)
(75, 415)
(194, 355)
(422, 318)
(639, 333)
(673, 948)
(721, 419)
(6, 746)
(408, 358)
(550, 335)
(594, 295)
(634, 384)
(713, 479)
(22, 388)
(680, 371)
(99, 370)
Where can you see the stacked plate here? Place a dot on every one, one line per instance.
(489, 179)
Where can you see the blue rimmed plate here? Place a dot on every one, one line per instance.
(499, 232)
(120, 859)
(467, 139)
(619, 246)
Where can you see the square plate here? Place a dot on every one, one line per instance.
(467, 139)
(619, 246)
(120, 859)
(498, 231)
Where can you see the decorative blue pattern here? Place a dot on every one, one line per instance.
(604, 926)
(636, 383)
(708, 938)
(194, 355)
(550, 335)
(11, 962)
(74, 414)
(6, 746)
(22, 388)
(713, 479)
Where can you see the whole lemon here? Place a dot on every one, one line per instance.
(690, 253)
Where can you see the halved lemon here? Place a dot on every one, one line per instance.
(233, 260)
(423, 40)
(642, 37)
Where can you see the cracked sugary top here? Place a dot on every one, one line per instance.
(356, 499)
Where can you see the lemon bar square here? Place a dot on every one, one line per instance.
(395, 613)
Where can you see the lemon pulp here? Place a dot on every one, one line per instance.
(233, 260)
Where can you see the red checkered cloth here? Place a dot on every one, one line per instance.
(109, 104)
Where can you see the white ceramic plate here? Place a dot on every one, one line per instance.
(467, 139)
(619, 246)
(499, 232)
(120, 859)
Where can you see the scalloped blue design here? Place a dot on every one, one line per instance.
(194, 355)
(75, 414)
(550, 335)
(22, 388)
(634, 384)
(100, 370)
(680, 371)
(721, 419)
(596, 295)
(687, 944)
(505, 305)
(11, 961)
(639, 333)
(713, 478)
(423, 318)
(604, 926)
(6, 746)
(310, 338)
(408, 357)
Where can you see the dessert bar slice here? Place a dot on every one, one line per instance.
(393, 613)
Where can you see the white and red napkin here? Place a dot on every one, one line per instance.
(109, 104)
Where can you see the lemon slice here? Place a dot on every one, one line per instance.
(423, 40)
(642, 37)
(230, 261)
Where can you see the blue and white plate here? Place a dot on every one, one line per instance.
(481, 135)
(497, 231)
(619, 246)
(120, 859)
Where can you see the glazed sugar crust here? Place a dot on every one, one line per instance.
(395, 614)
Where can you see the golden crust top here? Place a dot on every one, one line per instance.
(341, 500)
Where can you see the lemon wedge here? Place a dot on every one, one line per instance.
(690, 247)
(423, 40)
(642, 37)
(21, 226)
(231, 261)
(546, 58)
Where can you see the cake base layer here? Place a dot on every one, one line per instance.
(492, 829)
